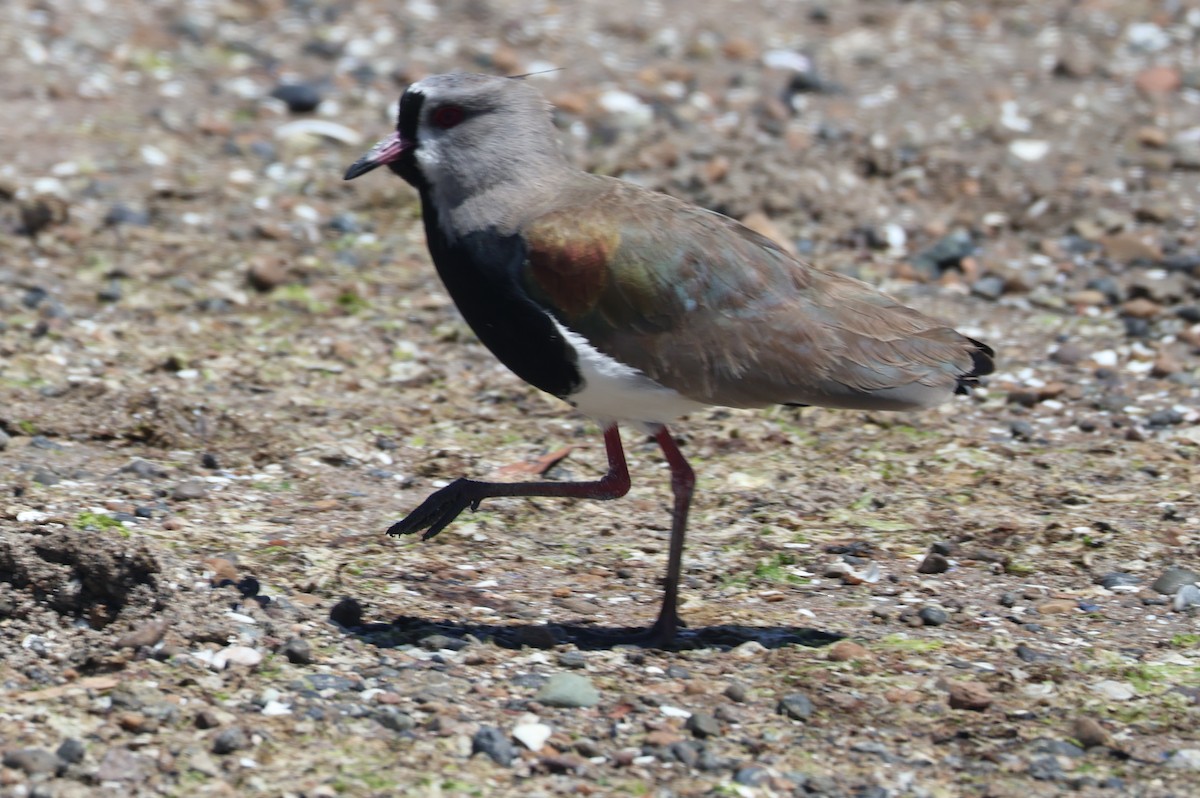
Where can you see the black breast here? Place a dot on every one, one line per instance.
(481, 271)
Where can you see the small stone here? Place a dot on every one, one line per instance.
(1056, 607)
(1027, 654)
(972, 696)
(1165, 418)
(1022, 430)
(1068, 354)
(1046, 768)
(572, 659)
(1114, 690)
(440, 642)
(298, 651)
(1114, 579)
(71, 750)
(241, 656)
(1130, 248)
(33, 761)
(796, 706)
(932, 616)
(493, 742)
(266, 274)
(300, 98)
(752, 776)
(847, 650)
(146, 635)
(1140, 308)
(1158, 80)
(736, 691)
(1089, 733)
(190, 490)
(1174, 578)
(4, 439)
(1165, 365)
(703, 725)
(934, 563)
(121, 764)
(568, 690)
(989, 286)
(532, 734)
(1184, 759)
(1187, 596)
(230, 740)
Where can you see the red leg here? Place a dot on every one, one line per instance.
(442, 507)
(683, 483)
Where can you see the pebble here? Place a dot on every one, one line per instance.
(568, 690)
(1089, 733)
(230, 740)
(1114, 579)
(1173, 578)
(737, 692)
(243, 656)
(796, 706)
(846, 650)
(752, 776)
(572, 659)
(933, 563)
(1046, 768)
(1056, 606)
(493, 742)
(4, 439)
(33, 761)
(300, 98)
(71, 750)
(973, 696)
(932, 616)
(298, 651)
(1184, 759)
(187, 491)
(703, 725)
(1114, 690)
(532, 734)
(1186, 597)
(146, 635)
(121, 764)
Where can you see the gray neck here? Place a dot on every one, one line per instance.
(499, 194)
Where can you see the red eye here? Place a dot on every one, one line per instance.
(447, 116)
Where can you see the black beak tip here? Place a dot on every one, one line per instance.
(359, 168)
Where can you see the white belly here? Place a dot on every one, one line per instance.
(613, 391)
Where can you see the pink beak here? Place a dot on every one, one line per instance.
(385, 152)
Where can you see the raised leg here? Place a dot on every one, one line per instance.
(683, 483)
(442, 507)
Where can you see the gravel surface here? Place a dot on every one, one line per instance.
(224, 372)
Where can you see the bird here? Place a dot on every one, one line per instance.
(633, 306)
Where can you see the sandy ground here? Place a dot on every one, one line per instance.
(224, 372)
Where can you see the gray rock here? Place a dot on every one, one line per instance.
(1187, 596)
(933, 616)
(3, 440)
(1184, 759)
(572, 659)
(394, 719)
(230, 740)
(495, 743)
(702, 725)
(1117, 579)
(71, 750)
(796, 706)
(190, 490)
(568, 690)
(736, 691)
(751, 775)
(1046, 768)
(121, 764)
(298, 651)
(33, 761)
(1174, 578)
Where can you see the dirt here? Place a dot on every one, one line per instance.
(224, 373)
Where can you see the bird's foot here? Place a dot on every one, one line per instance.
(442, 507)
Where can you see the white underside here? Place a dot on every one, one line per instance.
(612, 391)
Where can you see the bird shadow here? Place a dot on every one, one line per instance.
(430, 634)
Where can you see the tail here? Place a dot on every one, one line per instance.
(982, 363)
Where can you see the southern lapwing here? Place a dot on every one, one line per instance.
(632, 305)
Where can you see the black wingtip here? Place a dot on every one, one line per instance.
(982, 363)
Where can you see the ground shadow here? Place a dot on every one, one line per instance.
(411, 630)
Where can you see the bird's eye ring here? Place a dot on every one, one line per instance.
(447, 116)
